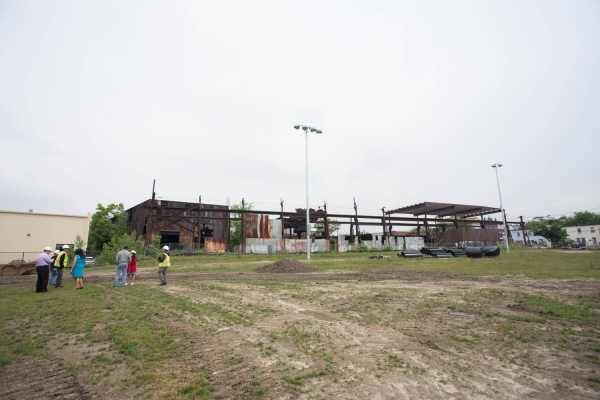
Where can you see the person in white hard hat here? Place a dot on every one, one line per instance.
(132, 268)
(53, 270)
(62, 261)
(42, 267)
(164, 262)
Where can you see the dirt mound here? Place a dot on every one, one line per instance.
(287, 265)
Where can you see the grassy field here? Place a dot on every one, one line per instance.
(543, 264)
(99, 332)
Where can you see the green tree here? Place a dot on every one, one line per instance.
(334, 226)
(107, 222)
(550, 228)
(79, 242)
(235, 233)
(581, 218)
(116, 244)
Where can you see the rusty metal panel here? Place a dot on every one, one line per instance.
(260, 226)
(16, 269)
(264, 226)
(214, 245)
(250, 225)
(218, 231)
(467, 235)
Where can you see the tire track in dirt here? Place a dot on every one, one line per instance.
(229, 374)
(41, 379)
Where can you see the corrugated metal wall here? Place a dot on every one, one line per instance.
(261, 226)
(273, 246)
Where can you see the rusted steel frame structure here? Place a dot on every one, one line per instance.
(391, 221)
(424, 214)
(352, 216)
(445, 210)
(448, 210)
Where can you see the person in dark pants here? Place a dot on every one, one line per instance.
(60, 263)
(42, 267)
(164, 262)
(53, 271)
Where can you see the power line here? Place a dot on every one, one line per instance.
(563, 213)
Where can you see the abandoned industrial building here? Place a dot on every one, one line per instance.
(194, 226)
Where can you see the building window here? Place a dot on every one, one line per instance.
(593, 230)
(518, 234)
(578, 230)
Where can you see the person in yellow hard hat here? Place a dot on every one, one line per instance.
(164, 262)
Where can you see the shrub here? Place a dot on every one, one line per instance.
(361, 248)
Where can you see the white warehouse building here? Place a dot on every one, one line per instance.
(587, 235)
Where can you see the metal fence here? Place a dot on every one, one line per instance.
(18, 257)
(193, 249)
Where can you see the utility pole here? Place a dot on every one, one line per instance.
(356, 219)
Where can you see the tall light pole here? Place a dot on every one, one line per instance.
(306, 128)
(496, 166)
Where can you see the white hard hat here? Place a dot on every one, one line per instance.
(48, 249)
(66, 246)
(166, 248)
(133, 251)
(56, 251)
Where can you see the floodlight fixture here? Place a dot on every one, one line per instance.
(306, 128)
(496, 166)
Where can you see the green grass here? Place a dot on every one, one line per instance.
(127, 323)
(584, 308)
(520, 261)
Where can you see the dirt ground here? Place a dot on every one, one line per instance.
(361, 335)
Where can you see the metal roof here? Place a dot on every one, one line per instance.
(445, 210)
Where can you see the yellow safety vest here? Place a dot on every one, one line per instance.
(56, 262)
(166, 262)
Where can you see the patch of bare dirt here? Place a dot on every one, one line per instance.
(285, 266)
(368, 334)
(42, 379)
(385, 335)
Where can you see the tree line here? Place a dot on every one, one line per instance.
(553, 228)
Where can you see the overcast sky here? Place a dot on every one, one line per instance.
(416, 100)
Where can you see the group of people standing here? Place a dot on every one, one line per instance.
(44, 265)
(126, 266)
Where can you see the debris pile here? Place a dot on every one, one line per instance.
(285, 266)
